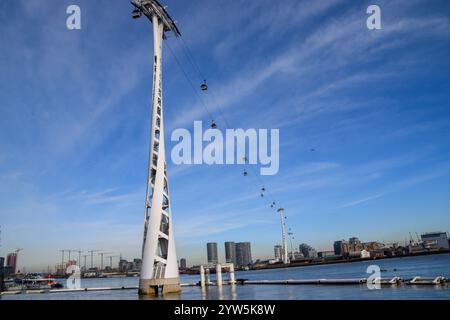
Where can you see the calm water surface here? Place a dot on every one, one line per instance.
(408, 267)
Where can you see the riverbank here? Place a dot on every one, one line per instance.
(303, 263)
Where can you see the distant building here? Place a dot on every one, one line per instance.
(307, 251)
(230, 252)
(325, 254)
(354, 240)
(377, 254)
(299, 255)
(243, 254)
(437, 239)
(372, 246)
(212, 253)
(123, 265)
(137, 264)
(278, 251)
(341, 248)
(365, 254)
(130, 266)
(11, 262)
(355, 245)
(2, 264)
(182, 263)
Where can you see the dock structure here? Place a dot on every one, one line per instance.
(396, 281)
(205, 270)
(436, 281)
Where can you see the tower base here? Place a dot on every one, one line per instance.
(151, 286)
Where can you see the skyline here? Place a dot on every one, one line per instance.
(221, 252)
(373, 104)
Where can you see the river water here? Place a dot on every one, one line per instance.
(407, 267)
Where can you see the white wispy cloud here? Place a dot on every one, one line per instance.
(361, 201)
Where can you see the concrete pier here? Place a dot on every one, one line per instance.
(219, 274)
(202, 276)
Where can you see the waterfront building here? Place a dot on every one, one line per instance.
(325, 254)
(243, 254)
(365, 254)
(299, 255)
(415, 248)
(182, 263)
(278, 251)
(123, 265)
(307, 251)
(230, 252)
(437, 240)
(355, 245)
(212, 253)
(11, 262)
(341, 248)
(372, 246)
(354, 240)
(137, 264)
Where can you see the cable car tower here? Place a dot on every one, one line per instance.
(159, 258)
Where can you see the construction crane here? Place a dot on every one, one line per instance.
(85, 256)
(110, 260)
(69, 251)
(411, 240)
(79, 256)
(62, 256)
(418, 239)
(101, 255)
(92, 256)
(63, 251)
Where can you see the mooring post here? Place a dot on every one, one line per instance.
(219, 274)
(232, 278)
(202, 276)
(208, 277)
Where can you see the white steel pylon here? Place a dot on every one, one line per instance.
(159, 259)
(283, 236)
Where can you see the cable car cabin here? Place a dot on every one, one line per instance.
(213, 125)
(204, 86)
(136, 14)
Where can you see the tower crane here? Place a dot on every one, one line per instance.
(101, 258)
(110, 260)
(92, 256)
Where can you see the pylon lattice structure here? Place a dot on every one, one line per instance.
(159, 259)
(283, 236)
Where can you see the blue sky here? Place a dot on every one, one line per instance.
(75, 110)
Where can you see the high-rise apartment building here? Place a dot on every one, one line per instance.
(212, 253)
(230, 252)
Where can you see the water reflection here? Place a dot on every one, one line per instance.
(405, 268)
(233, 292)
